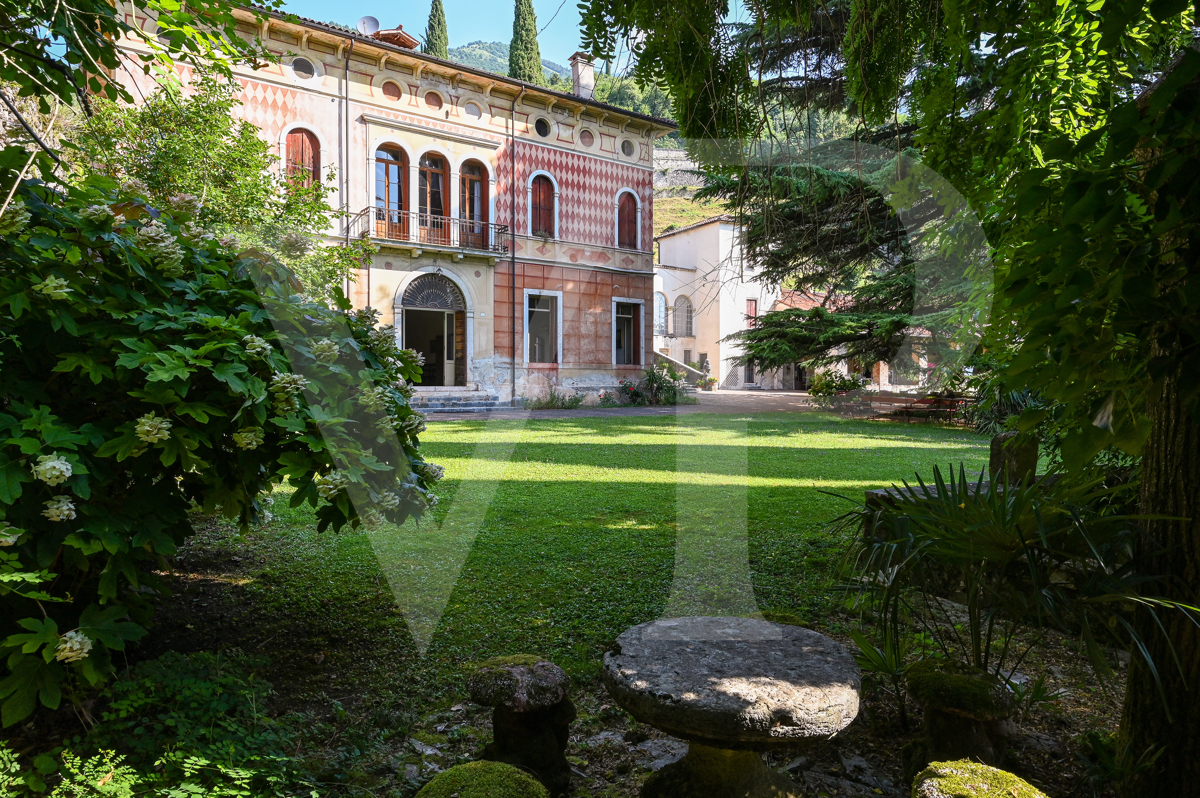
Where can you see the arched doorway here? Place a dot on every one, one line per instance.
(431, 315)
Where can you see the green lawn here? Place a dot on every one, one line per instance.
(577, 543)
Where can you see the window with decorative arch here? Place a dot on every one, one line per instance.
(391, 171)
(682, 318)
(541, 207)
(433, 198)
(473, 204)
(303, 157)
(627, 220)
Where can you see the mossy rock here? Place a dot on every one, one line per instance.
(520, 682)
(789, 618)
(483, 780)
(967, 779)
(954, 687)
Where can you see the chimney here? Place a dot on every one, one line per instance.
(583, 76)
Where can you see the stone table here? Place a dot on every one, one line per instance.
(731, 687)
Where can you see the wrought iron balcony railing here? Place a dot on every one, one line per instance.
(414, 227)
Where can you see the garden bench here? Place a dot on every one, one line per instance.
(731, 687)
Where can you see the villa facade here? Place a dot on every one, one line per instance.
(514, 223)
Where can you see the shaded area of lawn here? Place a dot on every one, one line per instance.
(577, 544)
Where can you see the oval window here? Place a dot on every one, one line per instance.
(474, 111)
(542, 127)
(303, 68)
(391, 91)
(434, 100)
(587, 138)
(627, 148)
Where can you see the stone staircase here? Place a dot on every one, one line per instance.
(456, 400)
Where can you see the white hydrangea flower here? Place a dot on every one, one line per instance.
(389, 501)
(266, 501)
(229, 242)
(325, 350)
(97, 213)
(415, 356)
(196, 234)
(160, 244)
(372, 518)
(52, 469)
(330, 484)
(53, 287)
(60, 508)
(9, 534)
(14, 218)
(373, 398)
(414, 424)
(152, 429)
(73, 646)
(285, 387)
(249, 438)
(256, 346)
(405, 390)
(266, 517)
(430, 472)
(131, 185)
(186, 205)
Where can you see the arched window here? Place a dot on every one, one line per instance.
(660, 313)
(473, 205)
(541, 207)
(627, 232)
(391, 167)
(433, 199)
(303, 157)
(683, 318)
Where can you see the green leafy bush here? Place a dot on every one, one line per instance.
(831, 383)
(557, 400)
(150, 369)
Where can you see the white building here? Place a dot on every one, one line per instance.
(704, 291)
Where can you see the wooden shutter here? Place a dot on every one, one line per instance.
(542, 212)
(303, 157)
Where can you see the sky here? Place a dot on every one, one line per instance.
(467, 20)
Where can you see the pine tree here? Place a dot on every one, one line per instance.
(524, 57)
(437, 39)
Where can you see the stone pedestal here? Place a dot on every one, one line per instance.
(731, 687)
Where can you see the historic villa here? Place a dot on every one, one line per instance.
(510, 218)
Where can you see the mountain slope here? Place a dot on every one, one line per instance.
(493, 57)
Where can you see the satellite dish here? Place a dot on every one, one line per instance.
(368, 26)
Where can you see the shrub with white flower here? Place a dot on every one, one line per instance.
(431, 472)
(131, 185)
(196, 233)
(185, 205)
(14, 218)
(73, 647)
(9, 534)
(372, 518)
(249, 438)
(328, 485)
(255, 346)
(373, 398)
(53, 287)
(97, 213)
(405, 390)
(159, 243)
(152, 429)
(60, 508)
(389, 500)
(325, 350)
(414, 424)
(285, 387)
(52, 469)
(414, 356)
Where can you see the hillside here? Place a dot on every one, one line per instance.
(493, 57)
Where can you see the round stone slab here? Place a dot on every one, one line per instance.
(733, 683)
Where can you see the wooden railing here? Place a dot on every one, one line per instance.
(413, 227)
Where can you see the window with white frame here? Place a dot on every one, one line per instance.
(541, 328)
(625, 337)
(682, 318)
(660, 313)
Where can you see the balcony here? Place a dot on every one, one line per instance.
(421, 230)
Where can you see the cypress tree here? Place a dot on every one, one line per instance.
(437, 39)
(524, 57)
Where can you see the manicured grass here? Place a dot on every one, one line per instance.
(578, 542)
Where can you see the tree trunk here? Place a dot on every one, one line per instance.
(1170, 487)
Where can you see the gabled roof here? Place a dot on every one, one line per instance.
(798, 300)
(724, 217)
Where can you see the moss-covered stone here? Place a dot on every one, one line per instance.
(483, 780)
(966, 779)
(521, 682)
(791, 619)
(960, 689)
